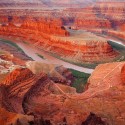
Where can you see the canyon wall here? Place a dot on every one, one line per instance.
(102, 15)
(62, 45)
(122, 28)
(43, 98)
(99, 15)
(45, 25)
(49, 30)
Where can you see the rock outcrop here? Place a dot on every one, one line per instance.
(42, 98)
(101, 15)
(39, 93)
(45, 25)
(58, 74)
(19, 82)
(51, 27)
(90, 50)
(18, 75)
(112, 73)
(90, 100)
(9, 118)
(48, 29)
(93, 120)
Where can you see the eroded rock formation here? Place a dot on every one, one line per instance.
(101, 15)
(43, 98)
(93, 120)
(55, 73)
(9, 118)
(49, 30)
(18, 75)
(90, 100)
(39, 93)
(89, 51)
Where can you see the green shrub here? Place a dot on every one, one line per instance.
(80, 80)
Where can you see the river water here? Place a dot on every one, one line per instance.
(33, 52)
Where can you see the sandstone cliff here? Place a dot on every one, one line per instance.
(89, 50)
(8, 118)
(58, 74)
(49, 30)
(18, 75)
(41, 97)
(101, 15)
(75, 105)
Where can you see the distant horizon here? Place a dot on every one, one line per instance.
(49, 4)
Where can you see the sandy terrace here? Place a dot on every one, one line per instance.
(80, 37)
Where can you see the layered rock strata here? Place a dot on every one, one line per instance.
(102, 15)
(58, 103)
(86, 50)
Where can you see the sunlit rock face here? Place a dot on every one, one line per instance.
(57, 40)
(18, 75)
(56, 73)
(78, 106)
(49, 29)
(115, 71)
(38, 93)
(101, 18)
(39, 97)
(102, 9)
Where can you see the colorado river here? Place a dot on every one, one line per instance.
(118, 42)
(33, 52)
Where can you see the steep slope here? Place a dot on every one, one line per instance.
(101, 15)
(58, 42)
(17, 76)
(41, 97)
(76, 107)
(7, 118)
(11, 57)
(21, 80)
(114, 69)
(55, 73)
(58, 32)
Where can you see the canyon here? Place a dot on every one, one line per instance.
(38, 96)
(62, 62)
(59, 32)
(61, 43)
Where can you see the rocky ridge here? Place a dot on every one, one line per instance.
(38, 93)
(86, 51)
(59, 103)
(56, 31)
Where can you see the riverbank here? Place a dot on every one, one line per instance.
(33, 52)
